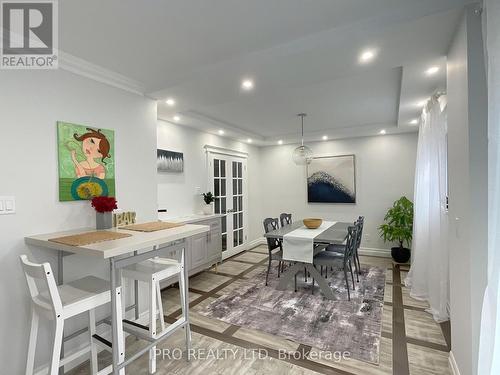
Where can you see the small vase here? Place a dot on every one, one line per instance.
(104, 220)
(207, 209)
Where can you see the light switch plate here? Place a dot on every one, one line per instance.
(7, 205)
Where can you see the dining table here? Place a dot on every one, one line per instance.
(136, 247)
(333, 233)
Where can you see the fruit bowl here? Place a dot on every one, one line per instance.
(312, 223)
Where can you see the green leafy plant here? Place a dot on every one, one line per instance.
(398, 224)
(208, 197)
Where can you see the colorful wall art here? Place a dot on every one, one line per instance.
(86, 162)
(331, 179)
(169, 161)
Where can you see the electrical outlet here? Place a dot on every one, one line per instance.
(197, 190)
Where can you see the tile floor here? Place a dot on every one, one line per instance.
(411, 343)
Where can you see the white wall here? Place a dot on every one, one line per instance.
(177, 191)
(467, 174)
(385, 168)
(30, 104)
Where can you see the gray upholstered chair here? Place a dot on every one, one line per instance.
(271, 224)
(285, 219)
(343, 260)
(339, 248)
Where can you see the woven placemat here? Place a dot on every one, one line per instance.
(152, 226)
(89, 238)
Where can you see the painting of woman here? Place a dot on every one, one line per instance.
(86, 162)
(95, 145)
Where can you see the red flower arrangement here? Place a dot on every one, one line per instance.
(104, 204)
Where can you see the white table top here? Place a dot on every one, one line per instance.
(163, 216)
(108, 249)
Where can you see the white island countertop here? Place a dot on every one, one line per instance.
(108, 249)
(186, 219)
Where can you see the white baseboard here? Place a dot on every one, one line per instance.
(453, 364)
(257, 242)
(374, 252)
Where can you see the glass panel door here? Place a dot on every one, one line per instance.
(228, 178)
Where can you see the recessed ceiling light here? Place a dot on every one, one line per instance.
(221, 132)
(382, 132)
(177, 118)
(170, 102)
(280, 142)
(414, 122)
(247, 84)
(366, 56)
(325, 137)
(432, 70)
(249, 140)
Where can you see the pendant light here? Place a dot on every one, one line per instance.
(302, 155)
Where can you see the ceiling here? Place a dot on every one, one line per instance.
(301, 54)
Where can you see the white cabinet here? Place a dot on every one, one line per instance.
(202, 250)
(198, 250)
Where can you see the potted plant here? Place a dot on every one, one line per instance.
(208, 198)
(104, 207)
(398, 227)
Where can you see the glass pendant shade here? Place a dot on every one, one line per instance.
(302, 155)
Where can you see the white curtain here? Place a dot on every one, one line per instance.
(489, 347)
(428, 277)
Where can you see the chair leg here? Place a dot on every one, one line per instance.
(268, 269)
(160, 306)
(347, 283)
(355, 267)
(352, 276)
(93, 348)
(359, 264)
(152, 323)
(279, 268)
(295, 281)
(30, 362)
(184, 293)
(305, 274)
(56, 347)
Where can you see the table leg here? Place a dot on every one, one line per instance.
(116, 320)
(289, 276)
(322, 283)
(185, 301)
(136, 296)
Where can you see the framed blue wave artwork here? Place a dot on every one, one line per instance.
(332, 179)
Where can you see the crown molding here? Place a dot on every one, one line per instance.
(97, 73)
(225, 151)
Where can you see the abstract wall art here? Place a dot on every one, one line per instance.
(86, 162)
(169, 161)
(331, 179)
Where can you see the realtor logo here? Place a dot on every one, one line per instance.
(29, 34)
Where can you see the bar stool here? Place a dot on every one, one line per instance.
(60, 303)
(152, 272)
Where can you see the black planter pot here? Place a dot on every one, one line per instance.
(400, 254)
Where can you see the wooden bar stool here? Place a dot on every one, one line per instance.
(152, 272)
(60, 303)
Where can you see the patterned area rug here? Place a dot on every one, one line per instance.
(330, 325)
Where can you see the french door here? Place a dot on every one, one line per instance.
(228, 182)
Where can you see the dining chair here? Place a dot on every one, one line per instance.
(340, 248)
(332, 259)
(285, 219)
(60, 303)
(152, 272)
(271, 224)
